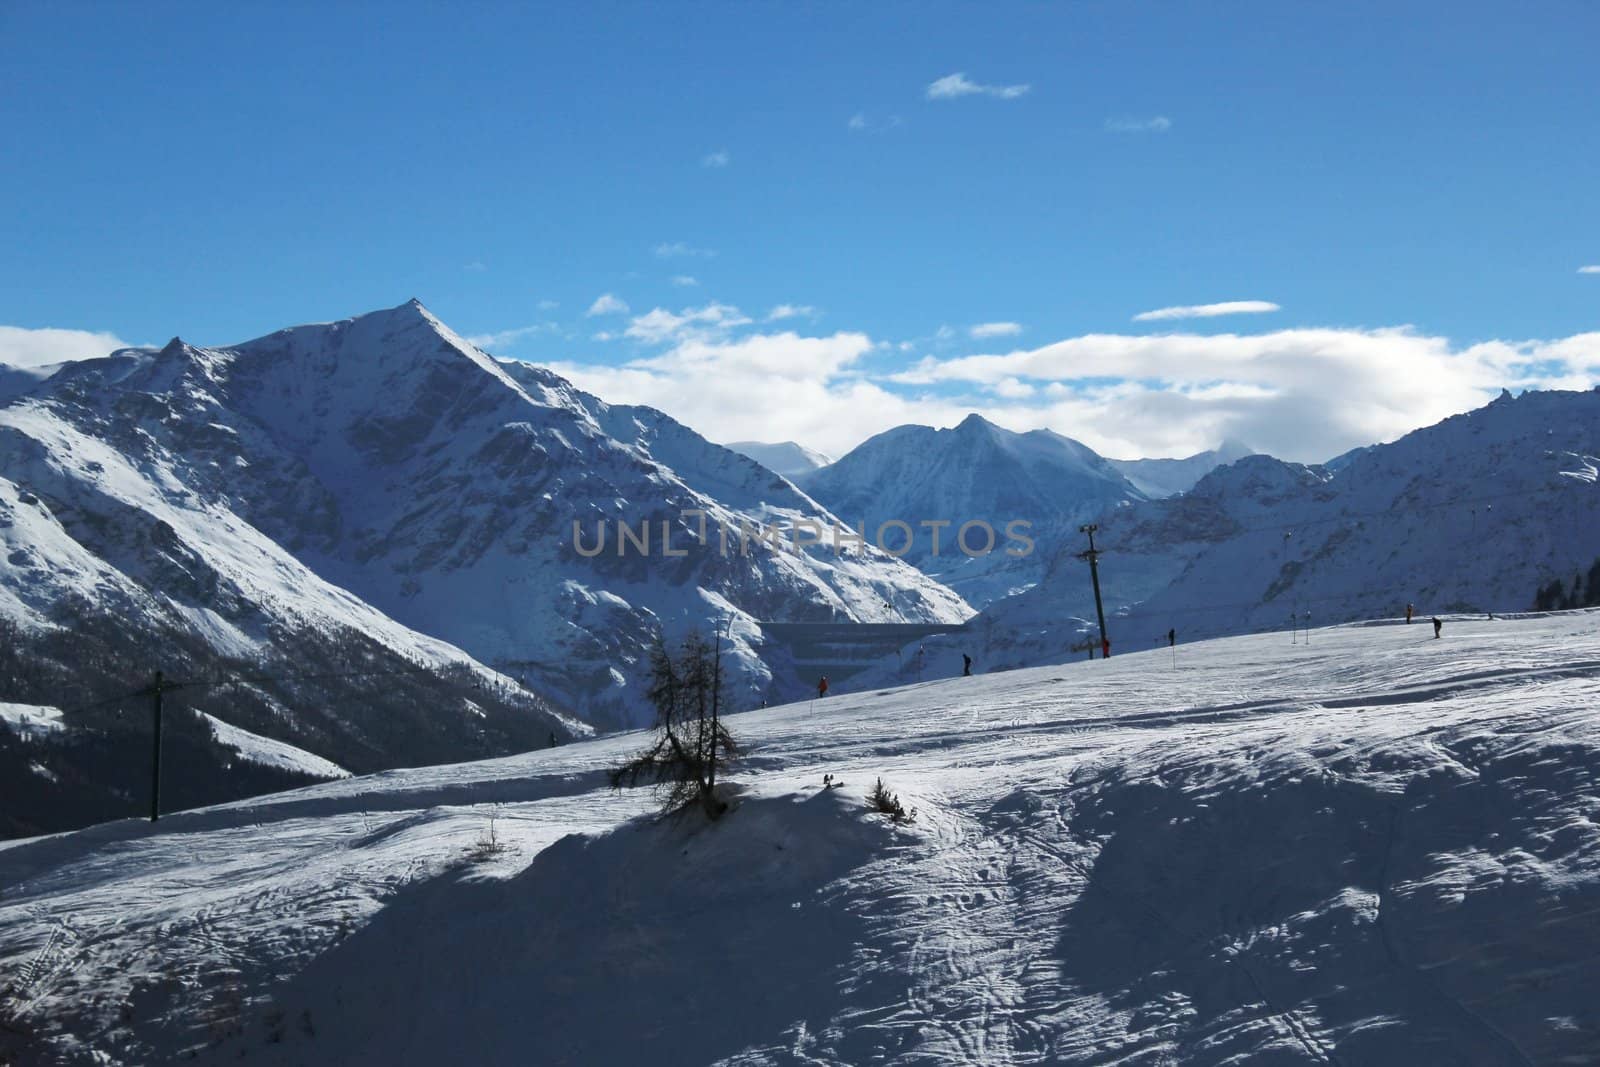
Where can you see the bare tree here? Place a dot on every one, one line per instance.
(690, 743)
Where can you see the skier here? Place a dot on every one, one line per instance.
(1105, 648)
(966, 665)
(1408, 614)
(1172, 637)
(1437, 626)
(822, 687)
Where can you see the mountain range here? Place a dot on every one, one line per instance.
(1471, 515)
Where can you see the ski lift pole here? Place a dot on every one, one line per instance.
(155, 751)
(1093, 556)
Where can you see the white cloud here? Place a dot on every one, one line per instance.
(607, 304)
(1303, 394)
(1125, 124)
(477, 266)
(22, 347)
(958, 84)
(708, 384)
(678, 249)
(505, 338)
(547, 305)
(995, 329)
(1013, 389)
(790, 311)
(659, 326)
(1589, 270)
(861, 121)
(1208, 311)
(685, 281)
(719, 158)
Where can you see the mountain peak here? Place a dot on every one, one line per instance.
(975, 424)
(412, 311)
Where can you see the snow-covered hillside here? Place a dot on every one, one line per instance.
(783, 457)
(1472, 514)
(383, 474)
(1167, 477)
(974, 472)
(1377, 848)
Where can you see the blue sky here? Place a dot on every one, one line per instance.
(177, 169)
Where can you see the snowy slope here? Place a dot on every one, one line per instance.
(977, 471)
(1472, 514)
(264, 750)
(1376, 849)
(1157, 478)
(783, 457)
(383, 473)
(120, 554)
(15, 381)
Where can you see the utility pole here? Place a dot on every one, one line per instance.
(155, 755)
(1093, 556)
(716, 699)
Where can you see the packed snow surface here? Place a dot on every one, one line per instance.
(1377, 847)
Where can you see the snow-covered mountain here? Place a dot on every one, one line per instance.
(1472, 514)
(974, 472)
(784, 457)
(383, 473)
(1377, 849)
(124, 551)
(1168, 477)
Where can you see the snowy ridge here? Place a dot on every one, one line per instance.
(1378, 848)
(265, 750)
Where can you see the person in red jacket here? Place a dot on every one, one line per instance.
(822, 687)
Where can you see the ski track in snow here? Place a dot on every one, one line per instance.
(1378, 848)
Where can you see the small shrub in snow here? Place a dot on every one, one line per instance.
(881, 800)
(488, 845)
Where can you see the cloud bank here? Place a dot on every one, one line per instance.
(1302, 394)
(22, 347)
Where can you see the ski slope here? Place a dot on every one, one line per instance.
(1375, 848)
